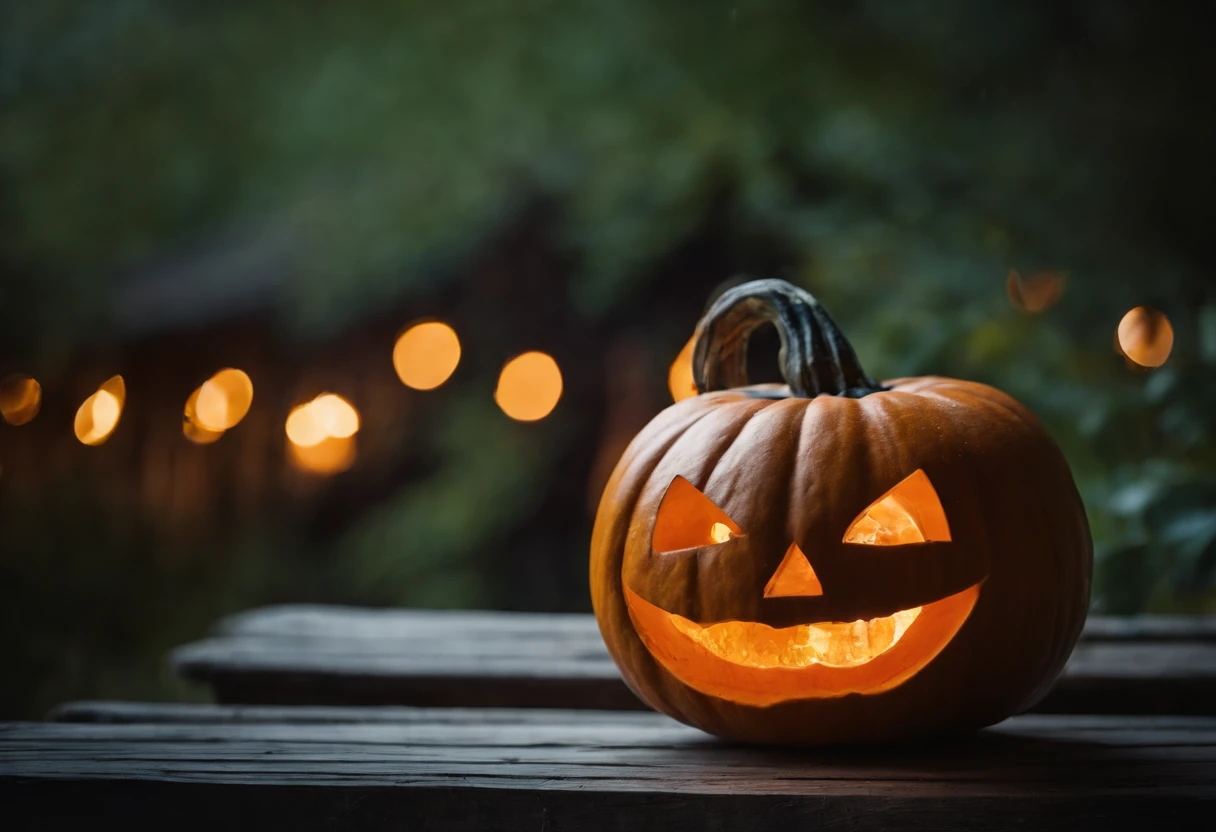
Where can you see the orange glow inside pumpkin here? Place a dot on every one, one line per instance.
(753, 664)
(834, 644)
(687, 519)
(795, 576)
(909, 513)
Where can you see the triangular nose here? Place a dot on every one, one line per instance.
(793, 577)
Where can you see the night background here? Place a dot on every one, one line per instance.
(979, 190)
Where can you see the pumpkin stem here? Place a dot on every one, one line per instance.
(815, 356)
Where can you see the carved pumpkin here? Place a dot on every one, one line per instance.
(835, 560)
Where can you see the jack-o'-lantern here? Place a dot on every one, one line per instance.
(835, 560)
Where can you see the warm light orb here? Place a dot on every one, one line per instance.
(328, 415)
(338, 417)
(98, 416)
(426, 355)
(223, 400)
(331, 455)
(322, 434)
(679, 377)
(200, 435)
(192, 429)
(1036, 292)
(20, 399)
(719, 533)
(304, 426)
(529, 387)
(1145, 336)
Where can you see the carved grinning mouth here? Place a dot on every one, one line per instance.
(833, 644)
(751, 663)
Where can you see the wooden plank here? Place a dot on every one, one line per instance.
(307, 679)
(1150, 628)
(541, 739)
(441, 769)
(1133, 677)
(112, 712)
(73, 805)
(301, 655)
(363, 622)
(1184, 730)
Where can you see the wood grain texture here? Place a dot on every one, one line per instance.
(303, 655)
(370, 768)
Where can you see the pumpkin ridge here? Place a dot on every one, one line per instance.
(614, 530)
(760, 406)
(1064, 630)
(763, 405)
(1061, 647)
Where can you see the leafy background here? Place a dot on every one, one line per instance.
(609, 163)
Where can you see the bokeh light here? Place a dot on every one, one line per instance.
(426, 355)
(304, 428)
(223, 400)
(100, 413)
(331, 455)
(679, 377)
(338, 416)
(20, 399)
(321, 434)
(192, 429)
(326, 416)
(1145, 336)
(529, 387)
(1035, 293)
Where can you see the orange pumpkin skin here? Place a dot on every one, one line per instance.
(799, 470)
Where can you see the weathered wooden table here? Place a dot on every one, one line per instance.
(1138, 752)
(181, 766)
(300, 655)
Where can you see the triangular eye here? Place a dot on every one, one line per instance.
(794, 576)
(908, 513)
(687, 519)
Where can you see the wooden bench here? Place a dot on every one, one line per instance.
(404, 768)
(304, 655)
